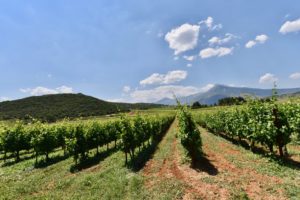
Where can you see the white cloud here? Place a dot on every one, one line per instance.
(183, 38)
(43, 90)
(189, 65)
(170, 77)
(176, 58)
(214, 40)
(4, 99)
(189, 58)
(126, 89)
(207, 87)
(268, 78)
(219, 52)
(258, 39)
(261, 38)
(295, 76)
(219, 41)
(209, 22)
(290, 26)
(161, 92)
(64, 89)
(234, 85)
(217, 27)
(250, 44)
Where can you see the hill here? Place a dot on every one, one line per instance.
(217, 92)
(58, 106)
(292, 95)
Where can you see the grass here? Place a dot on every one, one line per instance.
(245, 159)
(105, 177)
(109, 179)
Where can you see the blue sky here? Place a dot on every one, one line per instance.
(128, 50)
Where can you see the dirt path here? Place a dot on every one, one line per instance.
(239, 180)
(218, 176)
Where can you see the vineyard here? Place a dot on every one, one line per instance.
(268, 124)
(157, 154)
(77, 139)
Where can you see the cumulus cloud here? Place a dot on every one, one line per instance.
(158, 93)
(214, 40)
(64, 89)
(170, 77)
(126, 89)
(189, 58)
(212, 52)
(43, 90)
(209, 22)
(290, 26)
(250, 44)
(268, 78)
(183, 38)
(261, 39)
(295, 76)
(167, 91)
(207, 87)
(219, 41)
(189, 65)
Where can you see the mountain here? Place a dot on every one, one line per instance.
(58, 106)
(292, 95)
(217, 92)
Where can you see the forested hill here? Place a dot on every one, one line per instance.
(58, 106)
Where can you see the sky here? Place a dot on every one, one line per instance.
(143, 51)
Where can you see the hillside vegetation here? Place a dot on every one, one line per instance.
(53, 107)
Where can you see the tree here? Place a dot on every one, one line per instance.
(196, 105)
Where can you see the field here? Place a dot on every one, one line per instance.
(161, 169)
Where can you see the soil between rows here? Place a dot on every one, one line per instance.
(219, 174)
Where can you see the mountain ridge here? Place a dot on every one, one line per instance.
(219, 91)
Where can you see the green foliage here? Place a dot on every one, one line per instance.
(189, 133)
(77, 143)
(14, 140)
(137, 131)
(268, 123)
(127, 137)
(292, 113)
(231, 101)
(78, 138)
(196, 105)
(43, 139)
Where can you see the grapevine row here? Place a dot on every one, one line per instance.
(77, 139)
(189, 133)
(136, 132)
(267, 123)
